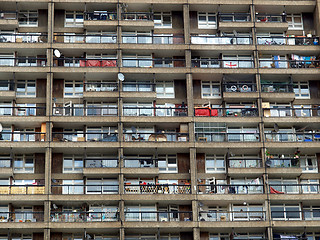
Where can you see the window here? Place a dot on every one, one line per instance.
(27, 61)
(167, 163)
(210, 89)
(207, 20)
(249, 213)
(101, 37)
(4, 214)
(285, 212)
(100, 161)
(5, 160)
(26, 88)
(241, 134)
(162, 20)
(102, 186)
(24, 134)
(271, 38)
(73, 38)
(72, 237)
(141, 213)
(137, 109)
(25, 109)
(310, 186)
(72, 164)
(309, 164)
(23, 163)
(23, 214)
(219, 236)
(246, 186)
(284, 185)
(6, 59)
(165, 89)
(72, 187)
(103, 213)
(5, 109)
(273, 61)
(215, 164)
(237, 61)
(311, 213)
(302, 110)
(73, 88)
(102, 109)
(137, 61)
(74, 19)
(137, 86)
(301, 89)
(28, 18)
(137, 37)
(295, 21)
(104, 134)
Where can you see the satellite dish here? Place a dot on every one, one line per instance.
(1, 128)
(57, 53)
(121, 77)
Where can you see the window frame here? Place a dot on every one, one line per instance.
(28, 85)
(74, 22)
(297, 89)
(212, 94)
(24, 168)
(215, 158)
(28, 22)
(73, 168)
(74, 93)
(165, 85)
(160, 23)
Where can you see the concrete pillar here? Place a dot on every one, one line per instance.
(46, 234)
(196, 233)
(186, 23)
(188, 58)
(47, 209)
(193, 170)
(47, 170)
(189, 85)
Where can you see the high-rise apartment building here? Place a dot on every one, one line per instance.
(159, 120)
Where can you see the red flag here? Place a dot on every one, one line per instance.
(273, 191)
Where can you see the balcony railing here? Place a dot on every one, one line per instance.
(101, 16)
(151, 39)
(138, 87)
(277, 87)
(306, 63)
(227, 137)
(101, 86)
(292, 215)
(22, 216)
(85, 111)
(283, 162)
(5, 162)
(22, 136)
(8, 15)
(154, 111)
(230, 189)
(234, 17)
(288, 41)
(150, 63)
(86, 62)
(85, 38)
(69, 189)
(226, 112)
(293, 112)
(23, 38)
(294, 188)
(222, 63)
(222, 216)
(245, 163)
(85, 137)
(81, 216)
(157, 216)
(137, 16)
(156, 137)
(23, 62)
(271, 18)
(292, 137)
(101, 163)
(140, 162)
(239, 87)
(217, 40)
(157, 189)
(22, 111)
(21, 189)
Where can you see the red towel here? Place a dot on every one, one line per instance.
(273, 191)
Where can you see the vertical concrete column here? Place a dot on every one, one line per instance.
(270, 233)
(193, 170)
(49, 87)
(46, 234)
(50, 21)
(188, 59)
(195, 211)
(317, 17)
(47, 209)
(122, 234)
(186, 23)
(121, 213)
(119, 34)
(47, 170)
(189, 85)
(196, 233)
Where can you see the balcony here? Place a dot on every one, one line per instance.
(220, 40)
(292, 137)
(294, 188)
(152, 39)
(22, 217)
(308, 62)
(226, 216)
(104, 162)
(157, 189)
(23, 38)
(22, 189)
(291, 41)
(23, 62)
(100, 20)
(155, 111)
(67, 189)
(281, 91)
(19, 136)
(231, 21)
(153, 63)
(225, 112)
(271, 22)
(137, 19)
(157, 216)
(249, 167)
(8, 20)
(102, 86)
(222, 63)
(22, 111)
(230, 189)
(82, 216)
(294, 215)
(84, 38)
(91, 111)
(227, 137)
(76, 62)
(292, 112)
(156, 137)
(237, 163)
(84, 136)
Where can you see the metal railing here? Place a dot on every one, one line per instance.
(85, 62)
(222, 63)
(84, 137)
(157, 189)
(101, 86)
(293, 112)
(23, 38)
(222, 216)
(18, 136)
(217, 40)
(22, 216)
(100, 16)
(239, 87)
(292, 137)
(84, 38)
(226, 112)
(156, 137)
(9, 15)
(137, 16)
(290, 215)
(149, 62)
(85, 111)
(277, 87)
(277, 40)
(140, 162)
(234, 17)
(230, 189)
(23, 62)
(152, 39)
(155, 111)
(157, 216)
(69, 189)
(306, 63)
(22, 111)
(271, 18)
(227, 137)
(294, 188)
(84, 216)
(283, 162)
(245, 163)
(138, 87)
(101, 163)
(21, 189)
